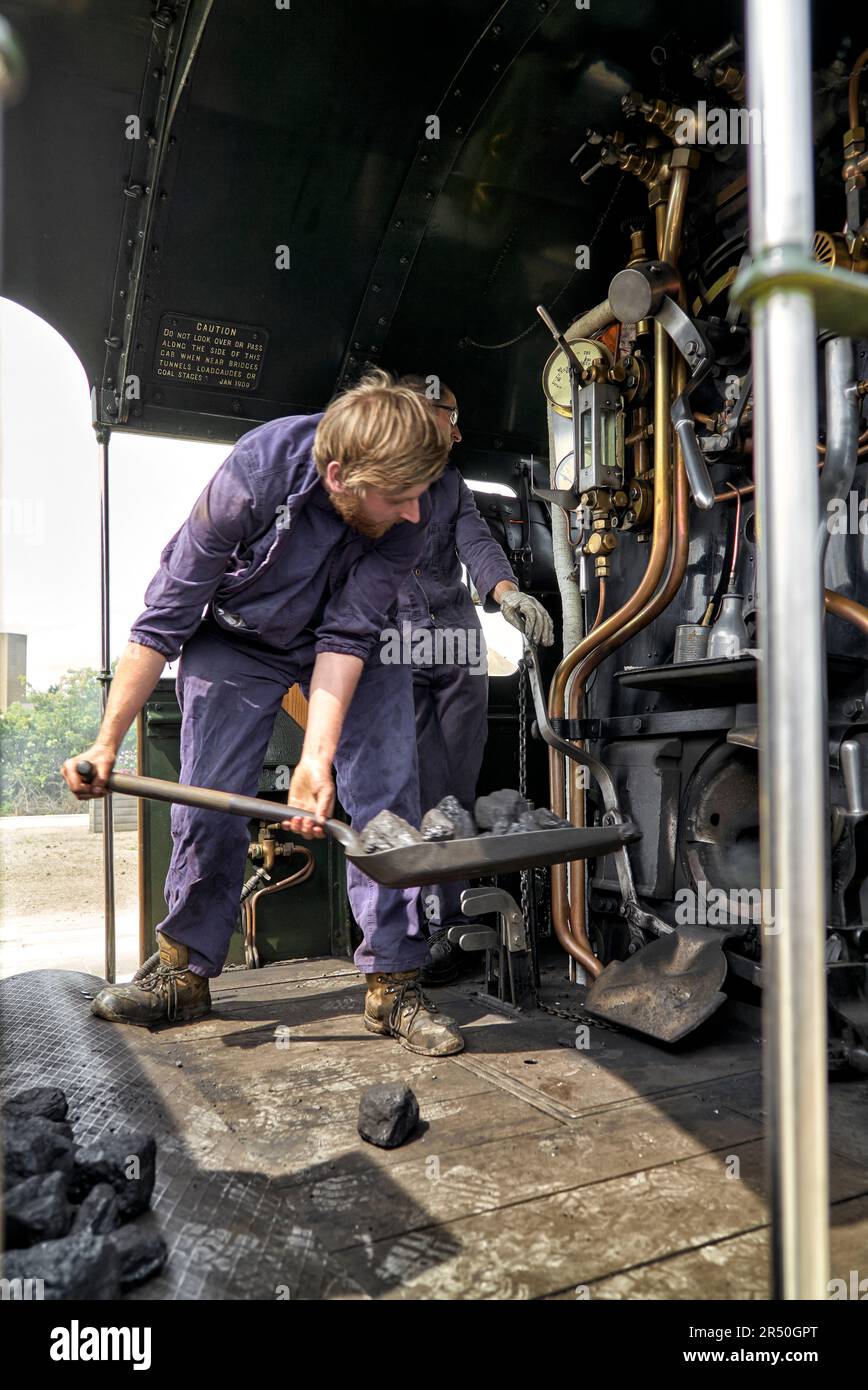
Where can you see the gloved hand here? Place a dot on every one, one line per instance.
(529, 616)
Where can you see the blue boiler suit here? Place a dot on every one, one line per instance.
(283, 579)
(450, 695)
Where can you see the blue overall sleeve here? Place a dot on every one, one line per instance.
(195, 559)
(477, 548)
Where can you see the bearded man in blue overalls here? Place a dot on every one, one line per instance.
(450, 669)
(287, 571)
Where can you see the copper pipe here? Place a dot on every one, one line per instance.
(571, 931)
(643, 606)
(575, 941)
(601, 605)
(291, 881)
(664, 596)
(853, 90)
(846, 608)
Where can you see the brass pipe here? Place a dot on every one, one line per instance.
(601, 605)
(846, 608)
(669, 243)
(675, 207)
(664, 596)
(853, 89)
(574, 938)
(660, 226)
(570, 927)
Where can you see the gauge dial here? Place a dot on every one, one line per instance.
(556, 373)
(565, 473)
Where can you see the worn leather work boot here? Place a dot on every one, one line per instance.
(169, 991)
(396, 1007)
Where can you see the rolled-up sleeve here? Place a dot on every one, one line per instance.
(195, 559)
(477, 548)
(357, 612)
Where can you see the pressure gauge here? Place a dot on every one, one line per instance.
(565, 473)
(556, 373)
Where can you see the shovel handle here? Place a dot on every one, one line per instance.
(251, 807)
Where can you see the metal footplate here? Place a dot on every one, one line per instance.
(509, 971)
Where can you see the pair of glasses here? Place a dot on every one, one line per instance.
(453, 413)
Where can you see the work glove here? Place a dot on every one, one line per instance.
(529, 616)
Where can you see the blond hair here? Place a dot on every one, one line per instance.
(383, 436)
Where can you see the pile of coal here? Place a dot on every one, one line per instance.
(70, 1210)
(505, 812)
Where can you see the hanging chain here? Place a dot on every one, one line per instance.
(522, 774)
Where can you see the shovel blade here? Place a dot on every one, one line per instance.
(667, 988)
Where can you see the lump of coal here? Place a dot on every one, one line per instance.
(127, 1162)
(80, 1266)
(100, 1212)
(37, 1210)
(388, 831)
(436, 825)
(141, 1252)
(548, 820)
(34, 1145)
(462, 821)
(542, 819)
(387, 1114)
(47, 1101)
(505, 805)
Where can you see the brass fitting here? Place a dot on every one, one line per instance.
(731, 81)
(684, 157)
(637, 246)
(853, 172)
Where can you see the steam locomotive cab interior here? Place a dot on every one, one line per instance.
(547, 207)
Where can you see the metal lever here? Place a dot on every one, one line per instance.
(559, 338)
(497, 900)
(850, 761)
(696, 351)
(468, 939)
(637, 918)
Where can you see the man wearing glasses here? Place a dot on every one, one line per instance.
(450, 680)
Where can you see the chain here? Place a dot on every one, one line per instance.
(522, 774)
(576, 1018)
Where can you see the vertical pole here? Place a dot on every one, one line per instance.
(108, 856)
(792, 687)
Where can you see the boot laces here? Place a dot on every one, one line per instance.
(409, 994)
(163, 981)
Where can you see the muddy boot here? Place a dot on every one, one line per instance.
(396, 1007)
(168, 991)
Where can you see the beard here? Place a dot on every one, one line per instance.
(350, 510)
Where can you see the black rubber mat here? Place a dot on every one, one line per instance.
(231, 1234)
